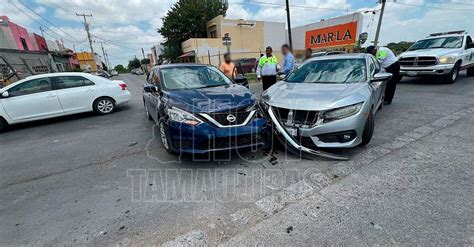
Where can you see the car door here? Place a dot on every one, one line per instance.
(377, 86)
(75, 93)
(152, 99)
(468, 58)
(31, 100)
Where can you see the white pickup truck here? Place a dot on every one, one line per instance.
(440, 54)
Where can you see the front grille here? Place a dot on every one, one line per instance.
(229, 142)
(222, 117)
(296, 117)
(418, 61)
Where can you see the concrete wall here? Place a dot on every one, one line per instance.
(26, 63)
(19, 33)
(6, 36)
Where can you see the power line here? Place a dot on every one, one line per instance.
(52, 24)
(433, 7)
(259, 3)
(32, 18)
(452, 2)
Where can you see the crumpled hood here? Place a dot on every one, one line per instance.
(429, 52)
(212, 99)
(315, 96)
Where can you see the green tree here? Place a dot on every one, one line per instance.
(399, 47)
(134, 63)
(121, 69)
(145, 61)
(187, 19)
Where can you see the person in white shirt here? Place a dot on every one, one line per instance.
(389, 62)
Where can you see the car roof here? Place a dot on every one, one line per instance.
(175, 65)
(87, 75)
(340, 56)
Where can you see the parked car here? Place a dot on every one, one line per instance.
(198, 109)
(137, 71)
(246, 65)
(58, 94)
(103, 73)
(328, 102)
(441, 54)
(114, 73)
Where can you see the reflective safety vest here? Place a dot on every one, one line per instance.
(267, 66)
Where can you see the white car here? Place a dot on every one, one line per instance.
(440, 54)
(58, 94)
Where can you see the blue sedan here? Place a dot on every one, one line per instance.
(198, 110)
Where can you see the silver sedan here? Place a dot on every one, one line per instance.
(327, 102)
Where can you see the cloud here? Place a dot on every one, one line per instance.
(128, 26)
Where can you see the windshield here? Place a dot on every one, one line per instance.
(446, 42)
(193, 77)
(350, 70)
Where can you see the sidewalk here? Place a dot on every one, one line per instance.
(417, 195)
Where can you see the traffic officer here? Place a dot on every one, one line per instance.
(389, 62)
(267, 69)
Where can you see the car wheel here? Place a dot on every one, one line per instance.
(104, 105)
(3, 125)
(368, 130)
(453, 75)
(470, 71)
(147, 112)
(164, 138)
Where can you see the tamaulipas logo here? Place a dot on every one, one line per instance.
(342, 34)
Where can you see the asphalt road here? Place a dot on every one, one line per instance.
(103, 180)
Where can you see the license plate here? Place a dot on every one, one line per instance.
(412, 73)
(292, 131)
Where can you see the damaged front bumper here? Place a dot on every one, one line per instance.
(292, 142)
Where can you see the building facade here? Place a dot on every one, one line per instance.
(248, 40)
(339, 33)
(87, 61)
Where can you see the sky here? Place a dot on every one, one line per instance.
(125, 27)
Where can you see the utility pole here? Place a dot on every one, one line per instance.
(42, 32)
(290, 40)
(143, 53)
(376, 41)
(86, 26)
(104, 54)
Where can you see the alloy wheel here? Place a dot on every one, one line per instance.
(105, 106)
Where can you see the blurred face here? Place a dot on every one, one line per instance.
(268, 52)
(227, 59)
(284, 50)
(373, 52)
(308, 53)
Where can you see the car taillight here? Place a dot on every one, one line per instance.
(123, 86)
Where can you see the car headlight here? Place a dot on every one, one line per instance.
(178, 115)
(447, 59)
(342, 112)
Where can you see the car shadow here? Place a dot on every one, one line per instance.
(57, 120)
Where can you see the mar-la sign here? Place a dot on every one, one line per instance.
(342, 34)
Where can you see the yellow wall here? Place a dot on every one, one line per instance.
(248, 41)
(86, 60)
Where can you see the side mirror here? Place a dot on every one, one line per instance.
(150, 88)
(382, 76)
(240, 80)
(5, 94)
